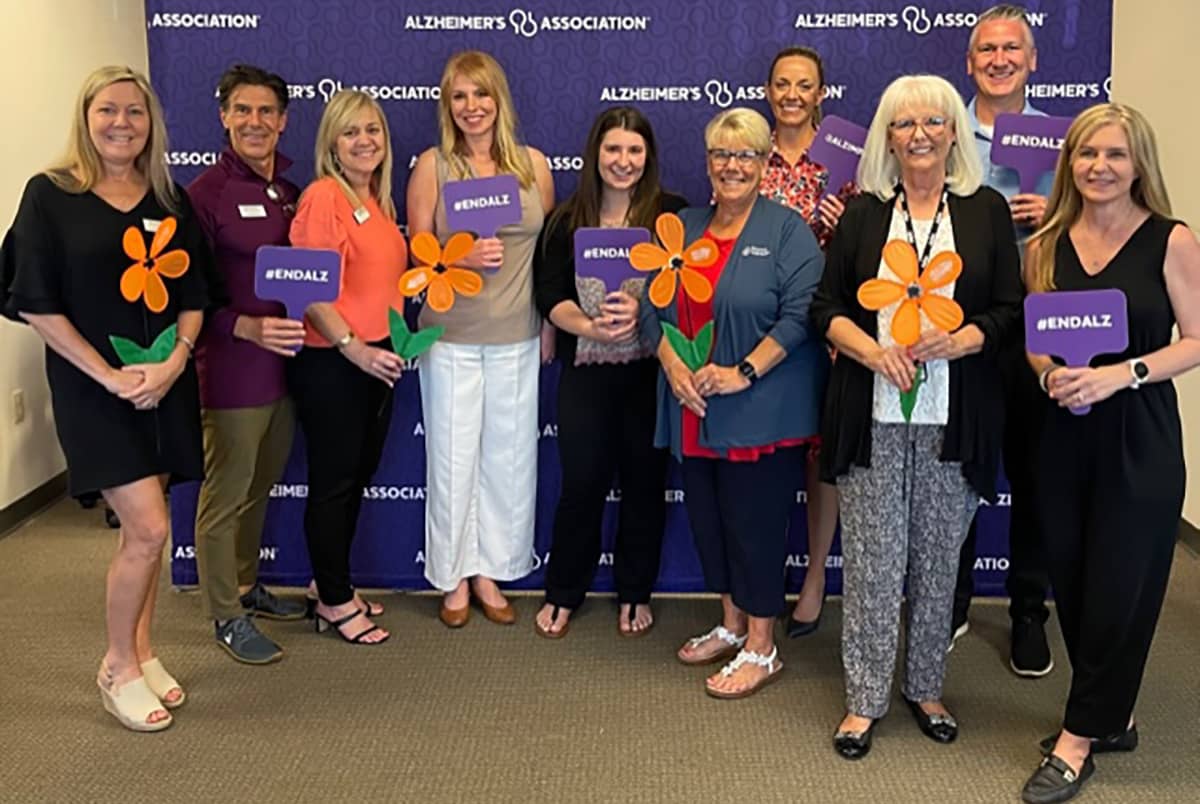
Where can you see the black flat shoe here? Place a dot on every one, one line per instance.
(1054, 781)
(939, 728)
(798, 628)
(1125, 741)
(854, 744)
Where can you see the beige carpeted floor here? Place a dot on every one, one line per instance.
(492, 714)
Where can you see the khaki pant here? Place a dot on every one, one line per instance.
(245, 451)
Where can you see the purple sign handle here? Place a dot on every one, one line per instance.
(297, 277)
(482, 206)
(1029, 144)
(1077, 325)
(838, 147)
(604, 254)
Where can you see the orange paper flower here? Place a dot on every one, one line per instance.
(678, 264)
(943, 313)
(437, 272)
(143, 279)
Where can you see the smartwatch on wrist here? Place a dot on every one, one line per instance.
(1140, 373)
(746, 369)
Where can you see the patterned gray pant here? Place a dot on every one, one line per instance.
(904, 518)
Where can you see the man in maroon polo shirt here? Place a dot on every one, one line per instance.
(242, 203)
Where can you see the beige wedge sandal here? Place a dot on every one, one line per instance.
(132, 704)
(161, 683)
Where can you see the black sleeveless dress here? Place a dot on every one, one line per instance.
(1111, 488)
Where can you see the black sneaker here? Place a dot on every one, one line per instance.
(263, 603)
(242, 640)
(1030, 652)
(958, 629)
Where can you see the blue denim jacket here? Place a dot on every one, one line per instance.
(765, 290)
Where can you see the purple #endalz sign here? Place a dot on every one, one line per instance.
(482, 205)
(297, 277)
(1077, 325)
(604, 254)
(1029, 144)
(838, 146)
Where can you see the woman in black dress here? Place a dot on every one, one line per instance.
(1117, 472)
(606, 393)
(103, 259)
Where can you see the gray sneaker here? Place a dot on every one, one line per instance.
(242, 640)
(261, 602)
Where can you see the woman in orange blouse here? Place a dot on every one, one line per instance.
(341, 382)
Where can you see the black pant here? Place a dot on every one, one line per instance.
(1117, 482)
(606, 426)
(344, 414)
(1027, 580)
(739, 517)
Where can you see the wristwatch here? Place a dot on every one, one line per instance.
(344, 341)
(746, 369)
(1140, 372)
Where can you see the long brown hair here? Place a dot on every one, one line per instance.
(80, 169)
(583, 207)
(1065, 204)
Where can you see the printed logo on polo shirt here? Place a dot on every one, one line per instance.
(189, 19)
(1074, 91)
(915, 19)
(328, 87)
(527, 24)
(192, 158)
(756, 251)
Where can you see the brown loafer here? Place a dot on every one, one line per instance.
(505, 615)
(454, 618)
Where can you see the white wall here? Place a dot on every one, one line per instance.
(47, 47)
(1153, 70)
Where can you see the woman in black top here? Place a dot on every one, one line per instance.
(1114, 477)
(103, 259)
(606, 394)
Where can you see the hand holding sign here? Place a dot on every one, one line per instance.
(1029, 144)
(838, 147)
(1076, 326)
(297, 277)
(482, 206)
(604, 254)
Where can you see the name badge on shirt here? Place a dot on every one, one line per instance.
(361, 215)
(252, 210)
(150, 225)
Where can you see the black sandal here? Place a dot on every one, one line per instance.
(323, 624)
(633, 616)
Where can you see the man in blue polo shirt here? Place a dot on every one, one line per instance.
(1000, 57)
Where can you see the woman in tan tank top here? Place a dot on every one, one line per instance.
(479, 382)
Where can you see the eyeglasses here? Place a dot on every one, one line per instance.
(721, 156)
(276, 195)
(907, 126)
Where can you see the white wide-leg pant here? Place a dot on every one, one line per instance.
(480, 407)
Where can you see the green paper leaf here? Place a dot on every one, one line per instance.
(703, 344)
(421, 340)
(400, 333)
(908, 399)
(128, 351)
(682, 345)
(160, 350)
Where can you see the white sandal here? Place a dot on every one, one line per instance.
(161, 683)
(733, 643)
(132, 704)
(770, 662)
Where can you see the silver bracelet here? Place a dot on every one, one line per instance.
(188, 342)
(1045, 375)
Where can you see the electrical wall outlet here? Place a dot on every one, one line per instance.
(18, 406)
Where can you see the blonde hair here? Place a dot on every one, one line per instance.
(1065, 203)
(342, 107)
(80, 168)
(879, 170)
(508, 153)
(741, 124)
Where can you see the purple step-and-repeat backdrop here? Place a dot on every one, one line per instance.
(679, 62)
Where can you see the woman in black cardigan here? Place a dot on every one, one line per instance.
(607, 391)
(911, 477)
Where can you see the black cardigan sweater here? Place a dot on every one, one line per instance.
(554, 274)
(990, 293)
